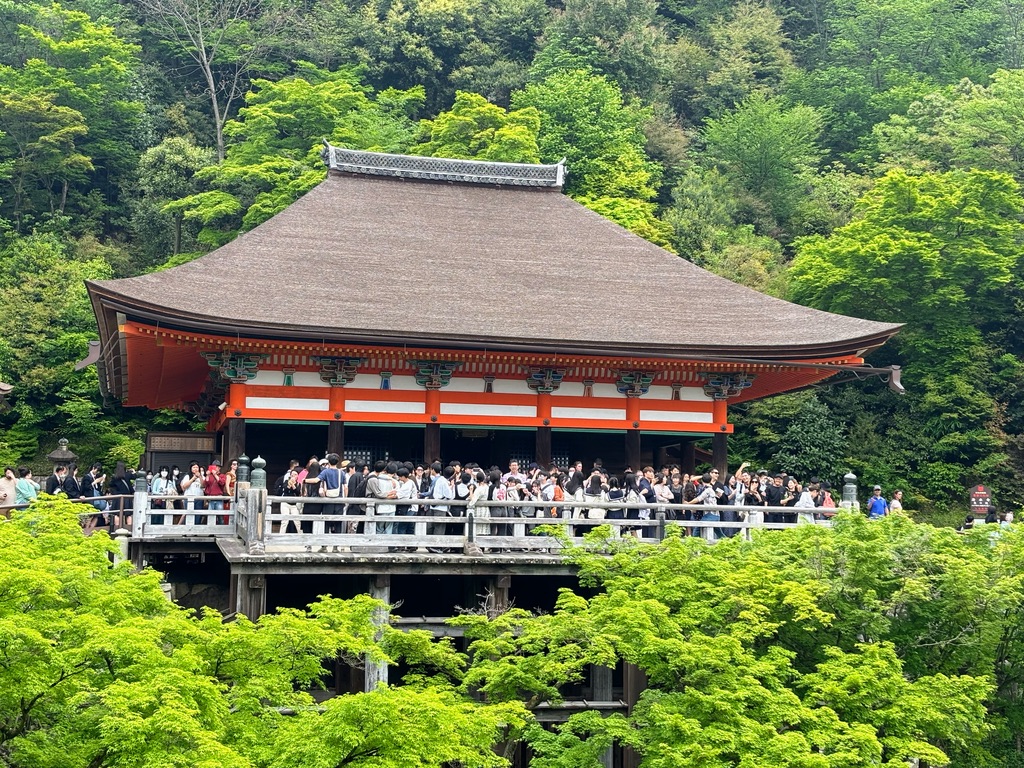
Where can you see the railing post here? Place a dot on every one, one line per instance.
(849, 492)
(471, 547)
(255, 507)
(121, 536)
(660, 517)
(140, 507)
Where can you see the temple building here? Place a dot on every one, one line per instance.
(419, 308)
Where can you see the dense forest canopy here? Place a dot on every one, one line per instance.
(859, 156)
(871, 644)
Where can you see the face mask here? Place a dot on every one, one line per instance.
(163, 473)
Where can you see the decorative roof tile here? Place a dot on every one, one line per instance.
(358, 162)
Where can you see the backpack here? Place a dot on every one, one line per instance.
(828, 501)
(361, 486)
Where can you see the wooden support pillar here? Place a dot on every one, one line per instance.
(720, 452)
(497, 595)
(234, 440)
(377, 671)
(336, 437)
(542, 450)
(601, 690)
(633, 458)
(432, 442)
(251, 595)
(634, 681)
(688, 460)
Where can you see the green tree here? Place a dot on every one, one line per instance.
(937, 252)
(769, 151)
(622, 41)
(961, 127)
(584, 119)
(750, 56)
(71, 112)
(476, 129)
(99, 668)
(225, 39)
(38, 144)
(814, 443)
(166, 172)
(274, 157)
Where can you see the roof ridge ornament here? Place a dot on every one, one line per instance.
(363, 163)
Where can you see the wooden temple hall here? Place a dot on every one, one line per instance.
(421, 308)
(417, 308)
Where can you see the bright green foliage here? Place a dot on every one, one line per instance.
(584, 120)
(396, 727)
(935, 251)
(475, 129)
(99, 668)
(865, 645)
(274, 158)
(939, 244)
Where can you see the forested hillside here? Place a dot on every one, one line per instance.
(859, 156)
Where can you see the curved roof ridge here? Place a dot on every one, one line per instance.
(364, 163)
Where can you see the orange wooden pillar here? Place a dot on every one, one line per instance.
(542, 453)
(432, 431)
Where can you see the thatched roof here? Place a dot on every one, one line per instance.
(389, 260)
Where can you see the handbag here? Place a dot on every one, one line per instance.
(333, 493)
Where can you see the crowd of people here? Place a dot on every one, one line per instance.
(406, 489)
(20, 487)
(112, 496)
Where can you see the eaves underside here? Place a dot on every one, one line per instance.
(188, 321)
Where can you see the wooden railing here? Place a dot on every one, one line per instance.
(279, 523)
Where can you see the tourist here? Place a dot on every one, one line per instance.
(381, 485)
(878, 507)
(332, 479)
(806, 504)
(310, 485)
(706, 495)
(25, 488)
(7, 490)
(230, 480)
(407, 492)
(595, 491)
(55, 482)
(440, 490)
(160, 486)
(121, 487)
(616, 495)
(193, 488)
(213, 485)
(93, 480)
(896, 504)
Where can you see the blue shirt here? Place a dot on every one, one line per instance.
(877, 507)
